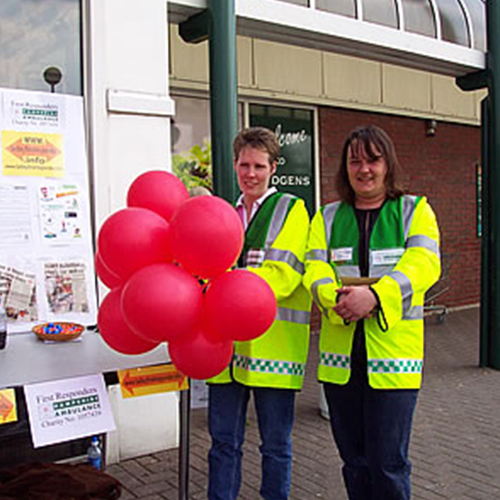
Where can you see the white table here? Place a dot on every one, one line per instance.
(27, 360)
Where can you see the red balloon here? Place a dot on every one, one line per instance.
(131, 239)
(239, 305)
(200, 357)
(115, 331)
(162, 302)
(159, 191)
(206, 236)
(110, 279)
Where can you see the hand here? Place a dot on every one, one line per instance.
(355, 302)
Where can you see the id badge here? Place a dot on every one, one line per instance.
(388, 257)
(341, 255)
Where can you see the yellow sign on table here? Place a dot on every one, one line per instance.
(32, 154)
(8, 407)
(151, 380)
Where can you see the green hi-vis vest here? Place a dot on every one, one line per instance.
(273, 250)
(404, 255)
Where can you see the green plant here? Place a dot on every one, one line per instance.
(194, 167)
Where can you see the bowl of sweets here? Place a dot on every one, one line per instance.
(59, 331)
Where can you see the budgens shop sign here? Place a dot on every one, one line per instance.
(295, 133)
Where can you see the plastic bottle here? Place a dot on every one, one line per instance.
(3, 326)
(94, 453)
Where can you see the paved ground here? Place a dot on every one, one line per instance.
(455, 448)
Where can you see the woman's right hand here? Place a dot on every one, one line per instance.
(355, 303)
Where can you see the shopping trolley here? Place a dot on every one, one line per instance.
(442, 285)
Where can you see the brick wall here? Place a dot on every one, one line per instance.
(442, 167)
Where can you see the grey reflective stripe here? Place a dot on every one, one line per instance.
(254, 257)
(293, 316)
(420, 240)
(321, 255)
(395, 366)
(279, 216)
(334, 360)
(348, 271)
(285, 256)
(406, 289)
(314, 292)
(328, 215)
(379, 271)
(415, 313)
(276, 367)
(409, 204)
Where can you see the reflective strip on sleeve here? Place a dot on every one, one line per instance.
(328, 216)
(415, 313)
(334, 360)
(269, 366)
(406, 289)
(280, 213)
(422, 241)
(254, 257)
(409, 204)
(293, 316)
(275, 254)
(321, 255)
(379, 271)
(395, 365)
(348, 271)
(314, 291)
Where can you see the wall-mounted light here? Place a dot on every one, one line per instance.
(430, 128)
(52, 76)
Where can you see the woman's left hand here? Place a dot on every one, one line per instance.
(355, 302)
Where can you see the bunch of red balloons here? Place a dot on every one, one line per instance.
(166, 259)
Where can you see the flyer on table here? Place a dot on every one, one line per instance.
(68, 409)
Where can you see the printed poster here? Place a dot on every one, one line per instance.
(33, 111)
(68, 409)
(151, 380)
(15, 216)
(8, 406)
(60, 213)
(32, 154)
(18, 293)
(66, 287)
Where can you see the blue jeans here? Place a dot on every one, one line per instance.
(227, 409)
(372, 430)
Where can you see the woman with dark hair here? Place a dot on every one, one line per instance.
(371, 258)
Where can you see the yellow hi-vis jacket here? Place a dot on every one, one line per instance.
(404, 255)
(275, 246)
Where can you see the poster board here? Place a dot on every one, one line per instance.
(46, 251)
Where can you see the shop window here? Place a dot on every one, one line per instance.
(305, 3)
(419, 17)
(343, 7)
(37, 35)
(477, 11)
(191, 143)
(381, 12)
(453, 25)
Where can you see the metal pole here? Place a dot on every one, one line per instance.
(223, 94)
(184, 423)
(493, 27)
(485, 305)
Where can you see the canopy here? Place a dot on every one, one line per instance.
(441, 36)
